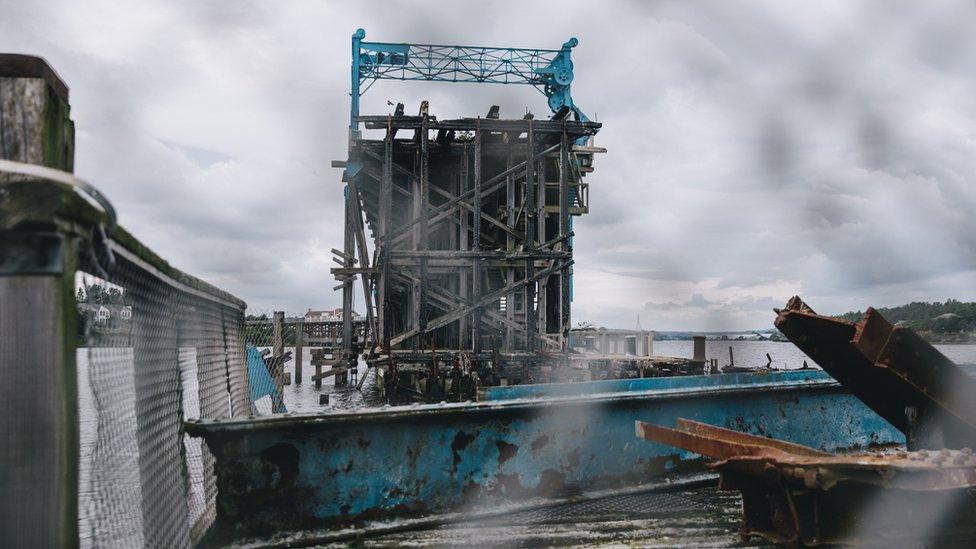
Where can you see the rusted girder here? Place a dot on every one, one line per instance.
(801, 496)
(719, 443)
(893, 370)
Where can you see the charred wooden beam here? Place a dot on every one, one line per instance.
(469, 124)
(491, 185)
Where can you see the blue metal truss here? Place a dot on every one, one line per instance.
(549, 71)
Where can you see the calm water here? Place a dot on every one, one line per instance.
(785, 355)
(304, 397)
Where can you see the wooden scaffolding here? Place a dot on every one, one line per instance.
(471, 229)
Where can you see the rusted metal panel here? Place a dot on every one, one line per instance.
(294, 472)
(717, 442)
(893, 370)
(802, 496)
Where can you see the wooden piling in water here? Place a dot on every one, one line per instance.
(278, 359)
(699, 350)
(318, 357)
(299, 342)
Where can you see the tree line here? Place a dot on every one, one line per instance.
(938, 318)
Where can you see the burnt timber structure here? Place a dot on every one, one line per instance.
(470, 219)
(471, 226)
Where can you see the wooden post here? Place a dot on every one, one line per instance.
(318, 357)
(423, 306)
(38, 325)
(277, 334)
(531, 318)
(385, 200)
(34, 114)
(699, 348)
(510, 244)
(299, 342)
(542, 292)
(347, 285)
(278, 360)
(564, 305)
(476, 233)
(463, 243)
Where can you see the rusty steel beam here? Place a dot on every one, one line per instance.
(900, 376)
(718, 443)
(797, 495)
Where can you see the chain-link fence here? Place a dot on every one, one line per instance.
(106, 350)
(152, 352)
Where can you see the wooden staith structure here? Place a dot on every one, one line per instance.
(470, 224)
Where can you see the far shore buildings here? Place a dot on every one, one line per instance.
(604, 341)
(105, 313)
(328, 315)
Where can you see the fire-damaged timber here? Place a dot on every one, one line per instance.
(469, 278)
(470, 224)
(893, 370)
(802, 496)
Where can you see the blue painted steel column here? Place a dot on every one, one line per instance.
(357, 38)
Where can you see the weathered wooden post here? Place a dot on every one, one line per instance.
(699, 355)
(277, 334)
(318, 357)
(299, 342)
(38, 319)
(278, 358)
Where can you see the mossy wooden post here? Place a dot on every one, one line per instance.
(36, 127)
(38, 321)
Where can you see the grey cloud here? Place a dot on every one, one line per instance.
(755, 150)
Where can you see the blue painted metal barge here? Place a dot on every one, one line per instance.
(314, 474)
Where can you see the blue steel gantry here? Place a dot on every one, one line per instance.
(549, 71)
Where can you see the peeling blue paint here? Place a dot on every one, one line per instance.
(438, 458)
(694, 383)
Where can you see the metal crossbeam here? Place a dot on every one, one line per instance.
(549, 71)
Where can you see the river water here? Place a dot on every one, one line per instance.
(785, 355)
(750, 354)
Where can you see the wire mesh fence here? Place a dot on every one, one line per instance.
(106, 351)
(151, 353)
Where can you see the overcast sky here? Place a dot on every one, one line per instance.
(756, 149)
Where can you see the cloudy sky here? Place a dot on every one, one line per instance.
(757, 149)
